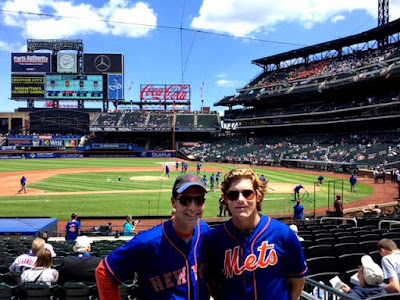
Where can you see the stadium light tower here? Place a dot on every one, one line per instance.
(383, 18)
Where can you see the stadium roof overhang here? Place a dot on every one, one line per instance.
(377, 33)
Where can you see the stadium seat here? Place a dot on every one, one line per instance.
(391, 235)
(322, 264)
(369, 237)
(376, 256)
(128, 291)
(38, 290)
(307, 236)
(345, 248)
(367, 246)
(323, 235)
(77, 291)
(359, 233)
(321, 250)
(337, 234)
(380, 231)
(325, 241)
(8, 291)
(346, 239)
(349, 261)
(324, 277)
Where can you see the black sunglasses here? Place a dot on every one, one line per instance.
(186, 200)
(234, 195)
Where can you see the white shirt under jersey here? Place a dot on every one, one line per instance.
(23, 262)
(391, 265)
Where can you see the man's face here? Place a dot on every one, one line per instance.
(245, 205)
(67, 83)
(360, 276)
(53, 84)
(188, 215)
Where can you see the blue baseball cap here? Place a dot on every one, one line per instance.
(182, 183)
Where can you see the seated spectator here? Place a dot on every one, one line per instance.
(390, 264)
(370, 276)
(44, 235)
(397, 208)
(81, 265)
(296, 231)
(42, 272)
(128, 228)
(27, 261)
(375, 211)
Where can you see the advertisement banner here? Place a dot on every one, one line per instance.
(27, 86)
(11, 156)
(70, 155)
(115, 87)
(108, 146)
(70, 87)
(103, 63)
(165, 92)
(67, 63)
(40, 155)
(31, 62)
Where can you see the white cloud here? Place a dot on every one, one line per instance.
(222, 75)
(12, 47)
(243, 18)
(79, 19)
(337, 18)
(229, 83)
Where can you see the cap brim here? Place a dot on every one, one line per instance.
(189, 184)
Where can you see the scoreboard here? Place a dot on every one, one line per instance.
(72, 87)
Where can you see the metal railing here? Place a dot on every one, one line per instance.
(315, 290)
(339, 218)
(388, 221)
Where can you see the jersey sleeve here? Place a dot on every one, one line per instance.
(296, 266)
(122, 263)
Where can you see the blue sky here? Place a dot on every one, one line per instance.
(158, 53)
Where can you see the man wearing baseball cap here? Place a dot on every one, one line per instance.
(168, 258)
(370, 276)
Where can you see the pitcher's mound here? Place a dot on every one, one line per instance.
(148, 178)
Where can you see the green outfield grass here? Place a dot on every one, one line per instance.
(156, 202)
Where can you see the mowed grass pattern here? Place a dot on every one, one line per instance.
(155, 202)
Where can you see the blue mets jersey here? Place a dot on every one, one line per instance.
(255, 265)
(168, 267)
(72, 230)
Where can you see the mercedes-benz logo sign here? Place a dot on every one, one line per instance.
(102, 63)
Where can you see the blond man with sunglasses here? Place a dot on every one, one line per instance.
(168, 258)
(252, 256)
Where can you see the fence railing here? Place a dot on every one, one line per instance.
(315, 290)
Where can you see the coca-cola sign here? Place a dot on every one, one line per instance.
(165, 92)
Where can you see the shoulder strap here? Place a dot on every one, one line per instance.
(36, 279)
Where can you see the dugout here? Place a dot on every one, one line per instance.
(29, 226)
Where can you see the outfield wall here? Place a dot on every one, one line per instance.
(81, 154)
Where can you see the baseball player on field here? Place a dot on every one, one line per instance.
(168, 258)
(252, 256)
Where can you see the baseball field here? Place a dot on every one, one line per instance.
(110, 186)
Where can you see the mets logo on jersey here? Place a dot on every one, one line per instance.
(266, 257)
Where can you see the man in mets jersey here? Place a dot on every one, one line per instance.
(168, 258)
(252, 256)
